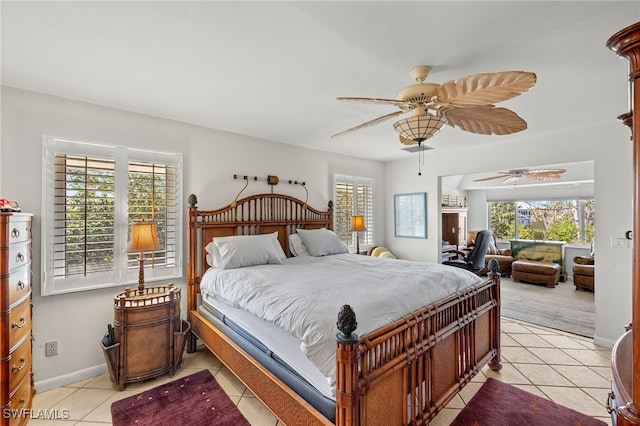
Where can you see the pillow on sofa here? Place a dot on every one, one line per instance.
(492, 249)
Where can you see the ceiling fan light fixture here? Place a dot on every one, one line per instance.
(419, 128)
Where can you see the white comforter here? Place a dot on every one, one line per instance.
(303, 296)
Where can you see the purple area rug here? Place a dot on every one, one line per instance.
(196, 399)
(500, 404)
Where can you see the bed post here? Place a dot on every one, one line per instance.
(192, 266)
(496, 362)
(347, 383)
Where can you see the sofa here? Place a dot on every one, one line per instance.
(583, 272)
(502, 256)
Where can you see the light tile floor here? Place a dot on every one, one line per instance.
(563, 367)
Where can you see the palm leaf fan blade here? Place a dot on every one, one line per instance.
(397, 102)
(491, 177)
(485, 120)
(370, 123)
(511, 179)
(545, 174)
(485, 89)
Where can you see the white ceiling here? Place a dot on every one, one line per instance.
(273, 69)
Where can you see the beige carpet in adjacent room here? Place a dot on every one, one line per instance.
(562, 308)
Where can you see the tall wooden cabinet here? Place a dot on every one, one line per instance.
(624, 399)
(454, 226)
(16, 391)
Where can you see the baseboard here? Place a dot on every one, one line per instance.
(67, 379)
(603, 342)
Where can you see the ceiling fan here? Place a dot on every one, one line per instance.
(467, 104)
(535, 174)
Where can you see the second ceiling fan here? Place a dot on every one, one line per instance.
(467, 104)
(535, 174)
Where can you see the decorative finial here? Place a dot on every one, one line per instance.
(347, 324)
(192, 200)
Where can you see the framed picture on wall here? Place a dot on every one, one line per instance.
(410, 214)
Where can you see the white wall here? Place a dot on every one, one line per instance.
(211, 158)
(610, 149)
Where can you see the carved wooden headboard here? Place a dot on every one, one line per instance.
(255, 214)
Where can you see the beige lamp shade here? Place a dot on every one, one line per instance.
(357, 224)
(419, 127)
(143, 238)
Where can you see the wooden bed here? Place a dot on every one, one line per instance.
(401, 374)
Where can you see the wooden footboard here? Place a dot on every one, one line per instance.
(401, 374)
(407, 372)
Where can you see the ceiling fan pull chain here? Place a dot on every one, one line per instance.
(420, 152)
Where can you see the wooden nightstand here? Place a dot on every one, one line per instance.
(148, 333)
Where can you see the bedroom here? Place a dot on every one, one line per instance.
(211, 157)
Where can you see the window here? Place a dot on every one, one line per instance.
(353, 196)
(92, 193)
(571, 221)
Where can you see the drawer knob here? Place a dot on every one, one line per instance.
(15, 232)
(20, 257)
(23, 362)
(16, 325)
(20, 285)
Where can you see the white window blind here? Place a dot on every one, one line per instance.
(151, 192)
(92, 195)
(83, 216)
(353, 196)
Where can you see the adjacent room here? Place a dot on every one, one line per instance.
(154, 152)
(551, 206)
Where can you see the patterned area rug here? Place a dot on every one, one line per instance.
(196, 399)
(500, 404)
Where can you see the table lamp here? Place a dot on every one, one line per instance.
(143, 238)
(357, 226)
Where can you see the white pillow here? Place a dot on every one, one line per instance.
(213, 258)
(277, 246)
(247, 250)
(321, 242)
(296, 247)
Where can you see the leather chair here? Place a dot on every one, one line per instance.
(583, 269)
(502, 256)
(473, 260)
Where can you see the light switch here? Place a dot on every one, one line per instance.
(619, 242)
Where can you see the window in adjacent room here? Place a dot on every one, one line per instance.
(92, 193)
(571, 221)
(353, 196)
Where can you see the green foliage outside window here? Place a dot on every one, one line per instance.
(571, 221)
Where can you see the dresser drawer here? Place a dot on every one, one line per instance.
(19, 255)
(19, 323)
(19, 230)
(19, 283)
(20, 363)
(21, 395)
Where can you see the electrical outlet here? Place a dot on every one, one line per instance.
(51, 348)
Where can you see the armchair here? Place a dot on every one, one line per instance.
(583, 272)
